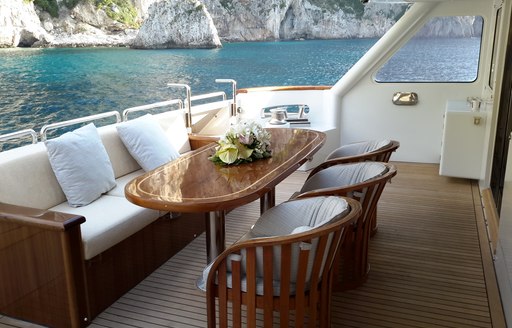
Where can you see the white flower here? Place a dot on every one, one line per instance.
(244, 142)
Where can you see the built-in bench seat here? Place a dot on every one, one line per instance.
(66, 264)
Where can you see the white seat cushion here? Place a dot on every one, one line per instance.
(121, 182)
(109, 220)
(344, 175)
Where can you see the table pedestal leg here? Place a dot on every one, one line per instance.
(215, 234)
(268, 200)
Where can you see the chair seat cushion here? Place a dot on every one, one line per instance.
(276, 284)
(283, 219)
(292, 217)
(344, 175)
(358, 148)
(108, 220)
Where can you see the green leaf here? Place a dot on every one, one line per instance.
(243, 151)
(228, 154)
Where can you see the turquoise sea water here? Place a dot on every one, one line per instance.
(39, 86)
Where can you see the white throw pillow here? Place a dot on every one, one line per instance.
(147, 142)
(81, 165)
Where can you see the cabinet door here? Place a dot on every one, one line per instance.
(463, 144)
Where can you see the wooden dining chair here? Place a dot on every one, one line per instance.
(373, 150)
(281, 269)
(364, 182)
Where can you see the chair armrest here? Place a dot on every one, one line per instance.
(198, 141)
(43, 219)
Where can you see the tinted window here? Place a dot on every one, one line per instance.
(447, 49)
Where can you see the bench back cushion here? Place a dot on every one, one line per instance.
(122, 162)
(27, 179)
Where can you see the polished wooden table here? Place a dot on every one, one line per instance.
(192, 183)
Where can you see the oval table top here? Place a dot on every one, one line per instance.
(192, 183)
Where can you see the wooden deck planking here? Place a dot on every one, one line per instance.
(426, 265)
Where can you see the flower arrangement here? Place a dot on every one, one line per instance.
(243, 143)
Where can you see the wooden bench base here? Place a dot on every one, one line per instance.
(46, 281)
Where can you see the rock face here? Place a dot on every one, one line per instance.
(455, 27)
(201, 23)
(177, 24)
(244, 20)
(85, 26)
(20, 26)
(142, 7)
(188, 23)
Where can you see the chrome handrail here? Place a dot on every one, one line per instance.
(151, 106)
(19, 134)
(233, 85)
(90, 118)
(209, 95)
(188, 114)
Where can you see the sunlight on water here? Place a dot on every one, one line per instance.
(38, 86)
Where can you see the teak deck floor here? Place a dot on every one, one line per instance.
(428, 268)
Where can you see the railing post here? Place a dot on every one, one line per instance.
(188, 114)
(233, 84)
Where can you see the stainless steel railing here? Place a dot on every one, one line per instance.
(79, 120)
(160, 104)
(19, 134)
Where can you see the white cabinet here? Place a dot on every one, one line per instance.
(463, 141)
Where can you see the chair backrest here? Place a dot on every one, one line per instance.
(280, 273)
(364, 182)
(374, 150)
(361, 181)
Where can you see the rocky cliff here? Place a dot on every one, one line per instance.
(167, 23)
(177, 24)
(239, 20)
(20, 25)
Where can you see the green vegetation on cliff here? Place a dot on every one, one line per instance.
(227, 4)
(120, 10)
(349, 6)
(49, 6)
(52, 7)
(71, 3)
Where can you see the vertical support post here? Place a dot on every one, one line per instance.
(233, 84)
(268, 200)
(215, 234)
(188, 114)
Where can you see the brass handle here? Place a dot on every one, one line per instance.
(405, 98)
